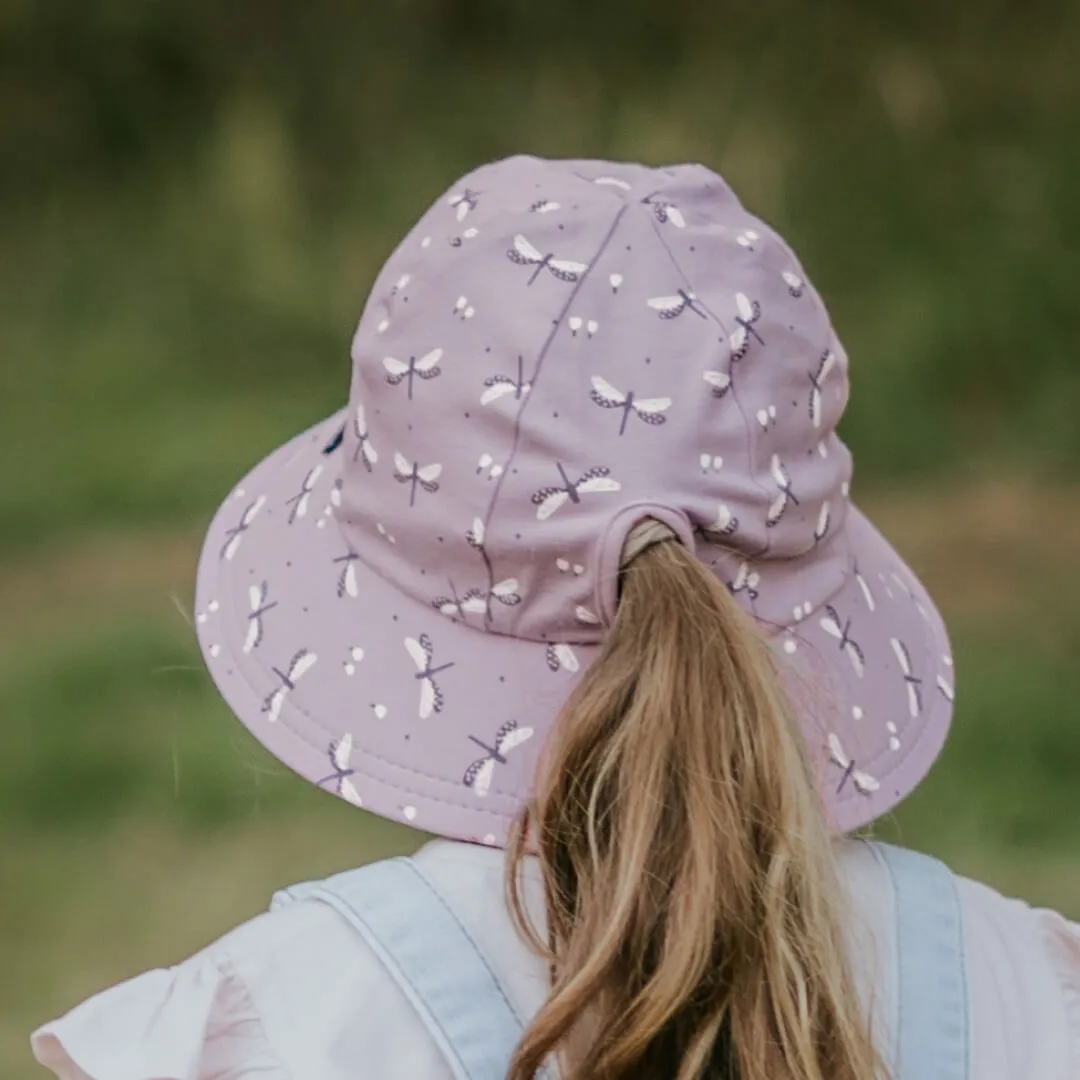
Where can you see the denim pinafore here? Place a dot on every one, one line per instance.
(430, 955)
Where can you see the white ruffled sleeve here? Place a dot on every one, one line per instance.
(1063, 945)
(192, 1022)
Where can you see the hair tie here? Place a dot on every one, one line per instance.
(643, 535)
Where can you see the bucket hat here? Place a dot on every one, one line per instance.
(398, 601)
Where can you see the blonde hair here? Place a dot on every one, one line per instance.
(693, 907)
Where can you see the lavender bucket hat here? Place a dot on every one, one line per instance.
(398, 602)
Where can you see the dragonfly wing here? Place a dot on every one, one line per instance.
(653, 405)
(496, 391)
(526, 250)
(549, 503)
(401, 463)
(427, 698)
(417, 652)
(348, 792)
(426, 363)
(600, 483)
(606, 391)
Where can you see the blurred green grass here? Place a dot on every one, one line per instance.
(197, 202)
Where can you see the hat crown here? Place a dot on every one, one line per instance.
(558, 346)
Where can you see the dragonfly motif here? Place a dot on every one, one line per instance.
(671, 307)
(747, 237)
(543, 206)
(840, 629)
(422, 651)
(340, 753)
(364, 450)
(500, 385)
(651, 410)
(746, 580)
(725, 524)
(235, 535)
(427, 367)
(257, 598)
(561, 657)
(914, 684)
(426, 476)
(346, 585)
(299, 665)
(817, 380)
(477, 601)
(821, 530)
(720, 381)
(299, 501)
(524, 254)
(548, 500)
(868, 596)
(464, 202)
(864, 783)
(786, 497)
(665, 212)
(479, 774)
(749, 311)
(794, 283)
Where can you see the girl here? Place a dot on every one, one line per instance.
(577, 575)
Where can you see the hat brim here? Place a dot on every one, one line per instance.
(325, 663)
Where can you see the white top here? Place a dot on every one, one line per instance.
(297, 995)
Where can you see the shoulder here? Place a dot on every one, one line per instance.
(292, 993)
(1021, 967)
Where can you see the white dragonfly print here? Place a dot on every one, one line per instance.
(821, 529)
(665, 212)
(794, 283)
(786, 497)
(422, 652)
(671, 307)
(548, 500)
(479, 774)
(299, 501)
(299, 665)
(340, 753)
(235, 535)
(258, 598)
(464, 202)
(817, 384)
(748, 313)
(498, 386)
(651, 410)
(746, 580)
(346, 584)
(864, 783)
(477, 601)
(725, 524)
(719, 381)
(914, 684)
(364, 450)
(427, 367)
(840, 629)
(561, 657)
(543, 206)
(524, 254)
(425, 476)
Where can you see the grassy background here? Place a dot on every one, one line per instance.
(193, 200)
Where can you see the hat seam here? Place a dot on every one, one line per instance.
(747, 430)
(535, 378)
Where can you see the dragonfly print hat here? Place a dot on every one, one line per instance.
(398, 601)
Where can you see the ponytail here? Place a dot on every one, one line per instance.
(693, 908)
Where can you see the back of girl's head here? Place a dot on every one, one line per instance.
(693, 909)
